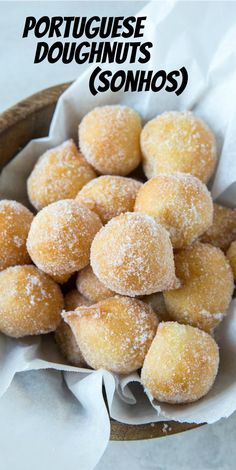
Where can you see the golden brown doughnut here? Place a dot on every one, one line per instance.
(180, 202)
(68, 346)
(132, 255)
(114, 334)
(231, 255)
(181, 364)
(90, 286)
(157, 302)
(74, 299)
(15, 221)
(207, 287)
(58, 174)
(109, 196)
(178, 141)
(30, 302)
(223, 230)
(109, 139)
(60, 238)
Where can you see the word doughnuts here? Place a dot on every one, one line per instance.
(132, 255)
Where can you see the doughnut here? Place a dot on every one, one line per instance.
(231, 255)
(74, 299)
(68, 346)
(109, 196)
(132, 255)
(178, 141)
(157, 302)
(90, 286)
(223, 230)
(180, 202)
(15, 221)
(181, 364)
(114, 334)
(60, 237)
(59, 174)
(206, 290)
(30, 302)
(109, 138)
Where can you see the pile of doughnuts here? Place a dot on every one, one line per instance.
(124, 255)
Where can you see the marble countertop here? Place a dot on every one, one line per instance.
(208, 447)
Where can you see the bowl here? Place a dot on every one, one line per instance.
(30, 119)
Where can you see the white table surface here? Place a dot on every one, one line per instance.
(208, 447)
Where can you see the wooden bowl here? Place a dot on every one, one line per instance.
(28, 120)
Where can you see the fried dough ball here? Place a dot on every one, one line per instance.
(157, 302)
(15, 221)
(109, 196)
(223, 230)
(180, 202)
(74, 299)
(114, 334)
(207, 287)
(132, 255)
(59, 174)
(109, 138)
(178, 141)
(30, 302)
(231, 255)
(60, 238)
(90, 286)
(68, 345)
(181, 364)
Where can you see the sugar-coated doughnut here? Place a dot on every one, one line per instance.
(30, 302)
(178, 141)
(59, 174)
(206, 290)
(114, 334)
(15, 221)
(231, 255)
(180, 202)
(132, 255)
(90, 286)
(60, 238)
(109, 196)
(68, 345)
(157, 302)
(223, 230)
(109, 138)
(181, 364)
(74, 299)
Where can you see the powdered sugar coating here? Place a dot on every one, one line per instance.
(60, 238)
(90, 286)
(132, 255)
(178, 141)
(58, 174)
(180, 202)
(114, 334)
(30, 302)
(231, 255)
(15, 221)
(181, 364)
(223, 230)
(109, 139)
(68, 345)
(206, 287)
(109, 196)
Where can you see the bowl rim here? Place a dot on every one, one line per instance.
(14, 116)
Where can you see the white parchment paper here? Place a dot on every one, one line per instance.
(184, 33)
